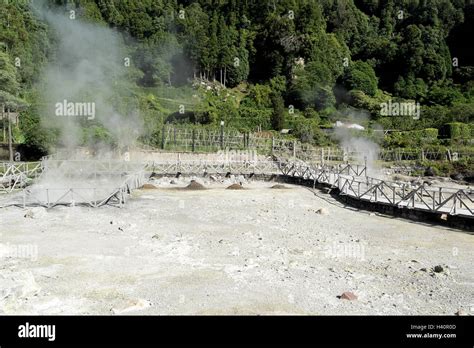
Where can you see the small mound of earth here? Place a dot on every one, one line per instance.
(278, 187)
(235, 187)
(148, 187)
(194, 185)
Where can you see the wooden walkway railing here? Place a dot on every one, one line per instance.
(16, 175)
(350, 179)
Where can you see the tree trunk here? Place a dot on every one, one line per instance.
(225, 76)
(10, 145)
(3, 125)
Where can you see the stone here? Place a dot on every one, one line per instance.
(322, 211)
(131, 306)
(29, 214)
(457, 176)
(430, 171)
(347, 295)
(438, 269)
(35, 213)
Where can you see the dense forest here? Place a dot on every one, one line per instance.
(266, 64)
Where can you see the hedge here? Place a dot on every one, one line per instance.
(457, 130)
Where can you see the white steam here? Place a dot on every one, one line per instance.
(365, 150)
(88, 66)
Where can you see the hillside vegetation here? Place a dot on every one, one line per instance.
(267, 65)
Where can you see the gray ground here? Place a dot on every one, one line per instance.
(255, 251)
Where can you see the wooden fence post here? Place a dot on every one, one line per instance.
(163, 137)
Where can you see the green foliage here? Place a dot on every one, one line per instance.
(258, 96)
(154, 58)
(361, 76)
(361, 100)
(410, 87)
(8, 81)
(25, 39)
(278, 115)
(415, 138)
(457, 131)
(447, 168)
(313, 81)
(312, 114)
(308, 131)
(430, 134)
(262, 57)
(97, 135)
(253, 118)
(443, 94)
(38, 140)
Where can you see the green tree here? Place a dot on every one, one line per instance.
(361, 76)
(9, 101)
(278, 115)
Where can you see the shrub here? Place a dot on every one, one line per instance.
(456, 131)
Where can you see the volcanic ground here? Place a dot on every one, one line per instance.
(256, 250)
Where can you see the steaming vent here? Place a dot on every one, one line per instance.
(85, 181)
